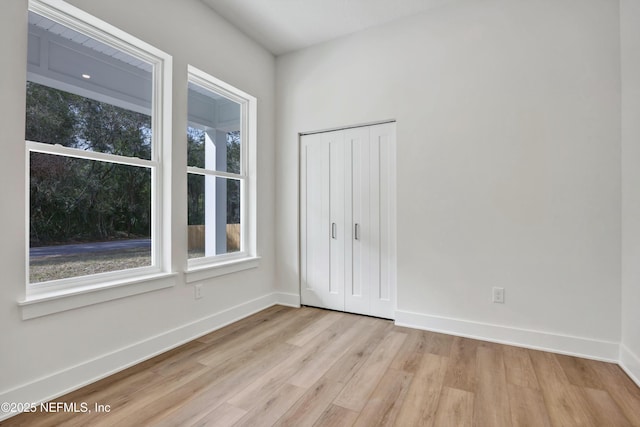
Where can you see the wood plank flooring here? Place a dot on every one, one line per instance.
(311, 367)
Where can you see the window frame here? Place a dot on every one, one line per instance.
(211, 266)
(159, 166)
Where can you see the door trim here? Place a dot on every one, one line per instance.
(380, 122)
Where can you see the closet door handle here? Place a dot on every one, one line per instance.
(356, 232)
(334, 230)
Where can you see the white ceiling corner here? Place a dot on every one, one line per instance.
(284, 26)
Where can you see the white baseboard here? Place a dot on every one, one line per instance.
(75, 377)
(290, 300)
(555, 343)
(630, 363)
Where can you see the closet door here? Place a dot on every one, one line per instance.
(363, 232)
(322, 226)
(372, 288)
(380, 221)
(347, 212)
(339, 196)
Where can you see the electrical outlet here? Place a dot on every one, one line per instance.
(498, 295)
(197, 290)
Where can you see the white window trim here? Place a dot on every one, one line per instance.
(213, 266)
(81, 296)
(59, 295)
(221, 268)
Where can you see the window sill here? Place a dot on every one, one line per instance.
(58, 301)
(202, 272)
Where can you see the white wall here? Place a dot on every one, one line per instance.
(64, 350)
(630, 52)
(508, 159)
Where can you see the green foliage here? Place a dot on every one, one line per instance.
(83, 200)
(109, 129)
(50, 115)
(233, 186)
(233, 152)
(195, 183)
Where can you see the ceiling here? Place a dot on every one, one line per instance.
(283, 26)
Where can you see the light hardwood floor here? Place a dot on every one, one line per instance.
(311, 367)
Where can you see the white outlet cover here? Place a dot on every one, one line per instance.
(498, 295)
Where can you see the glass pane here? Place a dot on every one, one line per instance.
(84, 94)
(195, 147)
(87, 217)
(213, 135)
(58, 117)
(214, 215)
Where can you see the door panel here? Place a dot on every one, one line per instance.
(315, 225)
(339, 235)
(383, 293)
(358, 294)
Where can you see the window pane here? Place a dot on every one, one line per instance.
(87, 217)
(84, 94)
(214, 215)
(214, 136)
(58, 117)
(195, 147)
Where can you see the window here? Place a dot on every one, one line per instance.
(96, 114)
(220, 181)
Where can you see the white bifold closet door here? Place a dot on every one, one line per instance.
(347, 221)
